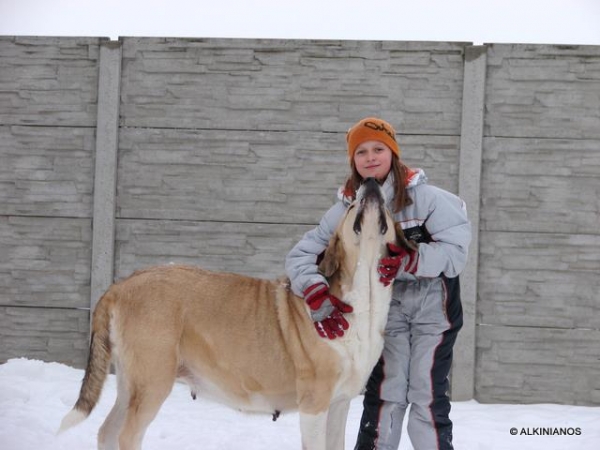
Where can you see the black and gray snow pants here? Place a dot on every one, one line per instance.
(424, 320)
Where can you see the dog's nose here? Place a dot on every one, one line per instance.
(372, 191)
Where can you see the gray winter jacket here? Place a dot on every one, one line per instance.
(436, 220)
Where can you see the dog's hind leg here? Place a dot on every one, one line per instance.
(313, 428)
(108, 436)
(149, 377)
(144, 403)
(336, 424)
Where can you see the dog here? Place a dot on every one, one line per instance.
(245, 342)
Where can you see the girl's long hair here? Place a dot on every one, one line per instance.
(401, 174)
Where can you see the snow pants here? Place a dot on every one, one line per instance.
(424, 319)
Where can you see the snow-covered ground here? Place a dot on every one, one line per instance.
(34, 396)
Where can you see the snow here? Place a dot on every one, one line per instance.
(35, 395)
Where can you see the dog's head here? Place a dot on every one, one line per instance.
(366, 228)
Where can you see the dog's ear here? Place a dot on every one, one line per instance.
(402, 241)
(330, 263)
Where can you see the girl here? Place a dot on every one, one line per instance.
(425, 314)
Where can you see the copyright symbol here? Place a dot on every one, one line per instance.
(513, 431)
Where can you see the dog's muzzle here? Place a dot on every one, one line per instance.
(370, 196)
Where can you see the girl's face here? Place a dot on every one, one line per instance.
(373, 159)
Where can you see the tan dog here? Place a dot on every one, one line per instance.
(245, 342)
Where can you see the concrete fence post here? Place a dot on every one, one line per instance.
(471, 143)
(105, 178)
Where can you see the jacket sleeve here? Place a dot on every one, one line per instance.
(450, 232)
(301, 262)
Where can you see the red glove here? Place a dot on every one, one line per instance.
(326, 311)
(399, 260)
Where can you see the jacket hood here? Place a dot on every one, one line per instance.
(416, 177)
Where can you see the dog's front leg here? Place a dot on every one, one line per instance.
(336, 424)
(313, 428)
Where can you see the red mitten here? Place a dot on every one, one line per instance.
(327, 311)
(399, 260)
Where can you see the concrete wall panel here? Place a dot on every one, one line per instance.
(541, 185)
(545, 91)
(45, 262)
(538, 365)
(252, 249)
(242, 176)
(49, 334)
(46, 171)
(48, 81)
(291, 85)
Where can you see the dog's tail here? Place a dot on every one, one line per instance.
(97, 367)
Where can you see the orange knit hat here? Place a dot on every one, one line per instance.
(371, 129)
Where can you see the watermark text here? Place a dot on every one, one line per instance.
(545, 431)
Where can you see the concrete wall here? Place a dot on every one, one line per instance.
(225, 151)
(48, 98)
(538, 318)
